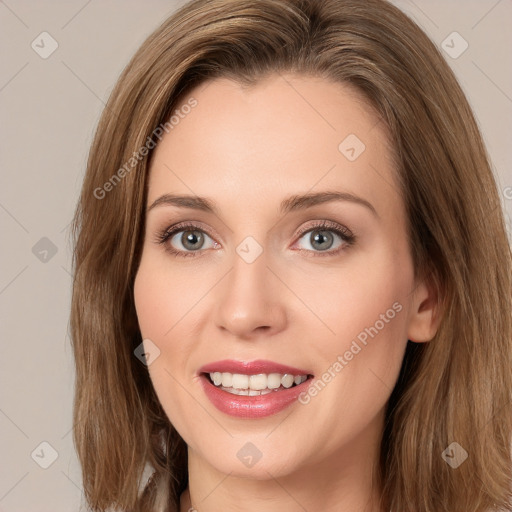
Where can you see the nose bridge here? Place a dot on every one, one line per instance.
(248, 299)
(249, 274)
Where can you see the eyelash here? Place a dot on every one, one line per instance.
(344, 233)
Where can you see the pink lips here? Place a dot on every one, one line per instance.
(249, 407)
(250, 368)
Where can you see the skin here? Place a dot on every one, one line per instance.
(247, 149)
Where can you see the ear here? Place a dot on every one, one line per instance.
(425, 313)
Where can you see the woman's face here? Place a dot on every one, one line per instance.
(322, 283)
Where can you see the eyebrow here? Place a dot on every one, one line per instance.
(292, 203)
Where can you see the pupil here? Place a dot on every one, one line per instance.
(192, 240)
(321, 237)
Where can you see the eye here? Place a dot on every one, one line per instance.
(327, 237)
(185, 240)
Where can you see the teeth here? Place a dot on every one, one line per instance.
(252, 385)
(248, 392)
(240, 381)
(227, 379)
(287, 380)
(274, 380)
(257, 382)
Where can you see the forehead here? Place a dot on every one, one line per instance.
(286, 133)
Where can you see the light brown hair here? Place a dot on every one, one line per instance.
(455, 388)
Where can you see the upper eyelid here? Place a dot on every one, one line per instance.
(183, 226)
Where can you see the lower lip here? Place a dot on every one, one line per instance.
(244, 406)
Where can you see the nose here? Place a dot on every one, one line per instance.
(249, 303)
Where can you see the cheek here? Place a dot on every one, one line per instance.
(367, 310)
(367, 291)
(148, 304)
(159, 308)
(162, 297)
(373, 327)
(162, 304)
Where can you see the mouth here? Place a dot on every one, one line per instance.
(254, 385)
(253, 389)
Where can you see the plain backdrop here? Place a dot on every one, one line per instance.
(49, 110)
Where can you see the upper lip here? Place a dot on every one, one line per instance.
(251, 367)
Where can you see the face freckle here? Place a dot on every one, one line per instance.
(254, 290)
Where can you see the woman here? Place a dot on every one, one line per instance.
(292, 276)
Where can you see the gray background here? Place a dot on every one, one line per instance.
(49, 110)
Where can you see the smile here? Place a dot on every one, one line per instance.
(252, 389)
(254, 385)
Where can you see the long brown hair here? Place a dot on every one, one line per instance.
(457, 388)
